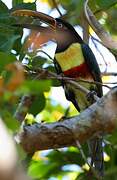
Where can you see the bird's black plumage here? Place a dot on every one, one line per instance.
(65, 35)
(89, 58)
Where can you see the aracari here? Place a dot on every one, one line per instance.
(73, 59)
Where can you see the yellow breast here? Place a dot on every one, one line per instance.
(71, 57)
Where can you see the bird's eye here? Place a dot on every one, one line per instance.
(60, 25)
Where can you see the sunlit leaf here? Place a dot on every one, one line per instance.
(57, 115)
(28, 1)
(106, 157)
(106, 79)
(29, 119)
(37, 156)
(50, 3)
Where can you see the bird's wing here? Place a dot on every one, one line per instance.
(93, 66)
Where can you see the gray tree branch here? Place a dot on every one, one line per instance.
(101, 117)
(99, 30)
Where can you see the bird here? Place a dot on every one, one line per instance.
(73, 59)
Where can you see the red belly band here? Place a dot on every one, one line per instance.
(79, 71)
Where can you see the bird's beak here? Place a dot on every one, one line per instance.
(50, 21)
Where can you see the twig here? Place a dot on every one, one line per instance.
(95, 82)
(56, 6)
(44, 74)
(23, 107)
(99, 53)
(86, 161)
(82, 152)
(72, 81)
(45, 54)
(85, 27)
(52, 75)
(110, 83)
(109, 74)
(99, 30)
(82, 89)
(92, 37)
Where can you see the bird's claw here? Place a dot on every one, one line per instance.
(90, 96)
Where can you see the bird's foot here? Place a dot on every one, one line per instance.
(90, 96)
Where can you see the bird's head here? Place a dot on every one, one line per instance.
(57, 30)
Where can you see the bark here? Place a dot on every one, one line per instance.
(23, 107)
(107, 40)
(101, 117)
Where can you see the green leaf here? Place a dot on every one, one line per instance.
(6, 44)
(5, 22)
(31, 6)
(15, 2)
(3, 7)
(37, 167)
(6, 59)
(7, 33)
(65, 2)
(17, 45)
(38, 104)
(10, 122)
(55, 82)
(43, 170)
(39, 86)
(79, 5)
(35, 86)
(51, 68)
(113, 137)
(111, 21)
(38, 61)
(62, 157)
(54, 163)
(104, 4)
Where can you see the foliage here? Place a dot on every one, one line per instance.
(14, 84)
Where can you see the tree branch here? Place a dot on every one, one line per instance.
(27, 100)
(109, 74)
(56, 6)
(85, 26)
(99, 30)
(101, 117)
(23, 107)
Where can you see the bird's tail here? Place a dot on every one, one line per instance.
(97, 159)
